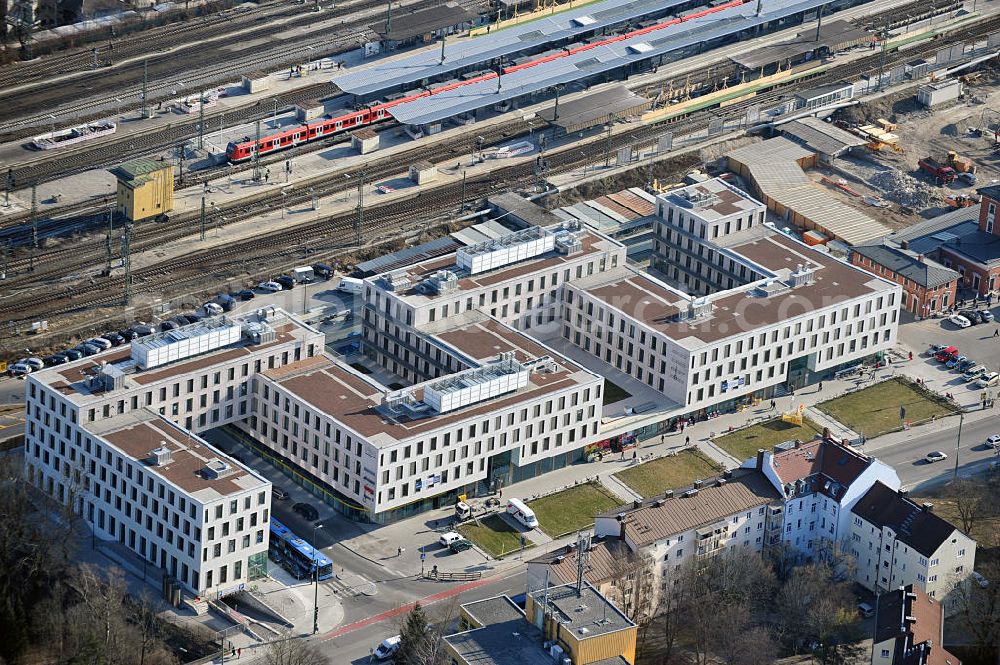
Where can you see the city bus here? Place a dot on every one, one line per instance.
(296, 555)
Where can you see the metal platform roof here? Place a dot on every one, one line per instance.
(509, 42)
(595, 108)
(833, 36)
(595, 61)
(425, 21)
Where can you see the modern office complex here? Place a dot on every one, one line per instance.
(115, 436)
(486, 365)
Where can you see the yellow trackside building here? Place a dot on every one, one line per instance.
(565, 625)
(145, 188)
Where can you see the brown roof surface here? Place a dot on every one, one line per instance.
(603, 563)
(927, 627)
(138, 436)
(337, 391)
(818, 457)
(712, 502)
(633, 201)
(738, 312)
(613, 205)
(920, 529)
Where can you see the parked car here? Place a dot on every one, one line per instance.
(169, 325)
(143, 329)
(865, 610)
(56, 359)
(307, 511)
(322, 270)
(973, 372)
(993, 441)
(965, 364)
(246, 294)
(954, 362)
(959, 320)
(73, 354)
(987, 380)
(946, 354)
(286, 282)
(212, 309)
(100, 342)
(190, 317)
(279, 493)
(269, 287)
(971, 315)
(935, 456)
(90, 349)
(933, 349)
(985, 315)
(34, 363)
(460, 546)
(226, 302)
(19, 369)
(128, 334)
(114, 338)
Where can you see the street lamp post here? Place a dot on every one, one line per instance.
(958, 444)
(316, 581)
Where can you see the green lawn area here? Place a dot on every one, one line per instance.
(875, 410)
(652, 478)
(614, 393)
(745, 442)
(572, 509)
(493, 535)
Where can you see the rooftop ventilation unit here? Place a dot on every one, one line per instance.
(184, 342)
(109, 377)
(216, 468)
(476, 385)
(503, 251)
(584, 21)
(259, 333)
(699, 308)
(568, 244)
(396, 281)
(771, 287)
(160, 456)
(801, 276)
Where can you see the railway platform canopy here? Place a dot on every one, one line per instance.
(594, 109)
(480, 52)
(601, 62)
(423, 25)
(833, 36)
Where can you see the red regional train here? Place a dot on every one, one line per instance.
(237, 152)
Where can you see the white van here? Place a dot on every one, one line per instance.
(387, 648)
(522, 513)
(447, 539)
(987, 380)
(212, 309)
(351, 285)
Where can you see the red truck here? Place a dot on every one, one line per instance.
(944, 174)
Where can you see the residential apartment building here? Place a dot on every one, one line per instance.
(819, 482)
(571, 624)
(771, 311)
(928, 286)
(738, 512)
(909, 630)
(115, 436)
(896, 542)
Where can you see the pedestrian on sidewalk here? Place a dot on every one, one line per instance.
(821, 385)
(239, 652)
(996, 333)
(399, 551)
(687, 440)
(635, 454)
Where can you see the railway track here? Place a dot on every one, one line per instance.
(203, 66)
(152, 42)
(56, 264)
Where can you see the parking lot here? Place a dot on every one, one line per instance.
(977, 342)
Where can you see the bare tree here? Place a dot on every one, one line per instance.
(971, 502)
(633, 583)
(290, 650)
(980, 607)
